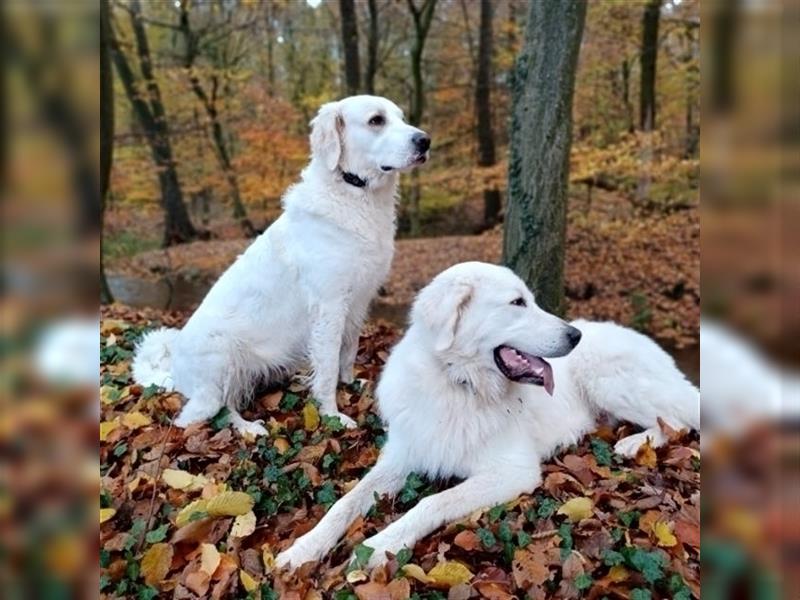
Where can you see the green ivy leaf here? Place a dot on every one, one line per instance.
(157, 535)
(486, 537)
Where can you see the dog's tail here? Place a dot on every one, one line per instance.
(152, 362)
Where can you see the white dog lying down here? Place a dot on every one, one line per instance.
(302, 289)
(467, 393)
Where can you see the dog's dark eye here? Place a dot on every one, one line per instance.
(377, 121)
(519, 302)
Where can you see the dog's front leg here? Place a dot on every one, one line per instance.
(327, 331)
(479, 491)
(386, 477)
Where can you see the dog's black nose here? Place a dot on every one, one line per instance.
(574, 336)
(422, 142)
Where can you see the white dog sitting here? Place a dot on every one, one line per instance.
(302, 289)
(468, 393)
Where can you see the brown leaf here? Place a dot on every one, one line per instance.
(646, 456)
(198, 582)
(529, 568)
(156, 563)
(373, 591)
(467, 540)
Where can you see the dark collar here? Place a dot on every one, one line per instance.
(354, 179)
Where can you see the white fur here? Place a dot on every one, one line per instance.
(451, 412)
(301, 290)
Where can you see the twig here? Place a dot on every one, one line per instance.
(155, 487)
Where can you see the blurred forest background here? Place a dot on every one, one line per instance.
(212, 101)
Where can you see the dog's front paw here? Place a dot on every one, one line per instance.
(380, 544)
(295, 556)
(346, 375)
(629, 446)
(345, 420)
(251, 428)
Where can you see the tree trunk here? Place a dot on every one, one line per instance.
(209, 103)
(352, 69)
(648, 55)
(106, 133)
(422, 16)
(541, 127)
(483, 109)
(372, 47)
(626, 95)
(152, 118)
(692, 142)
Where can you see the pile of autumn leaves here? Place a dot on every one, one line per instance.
(202, 512)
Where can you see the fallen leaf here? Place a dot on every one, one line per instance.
(664, 536)
(198, 582)
(156, 562)
(135, 420)
(416, 572)
(185, 515)
(106, 514)
(529, 569)
(179, 480)
(577, 508)
(107, 427)
(467, 540)
(244, 525)
(248, 583)
(646, 456)
(268, 557)
(209, 558)
(281, 445)
(449, 573)
(310, 416)
(618, 574)
(372, 591)
(399, 589)
(230, 504)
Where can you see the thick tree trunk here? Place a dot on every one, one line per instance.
(106, 133)
(352, 69)
(647, 60)
(152, 118)
(541, 128)
(422, 16)
(483, 109)
(372, 48)
(626, 95)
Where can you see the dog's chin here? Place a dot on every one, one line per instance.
(521, 367)
(415, 161)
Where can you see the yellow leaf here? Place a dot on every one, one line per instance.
(230, 504)
(646, 456)
(209, 558)
(106, 514)
(268, 557)
(416, 572)
(281, 445)
(135, 420)
(244, 525)
(577, 508)
(109, 326)
(156, 562)
(618, 573)
(179, 480)
(248, 583)
(449, 573)
(357, 576)
(107, 427)
(310, 416)
(185, 515)
(106, 392)
(664, 534)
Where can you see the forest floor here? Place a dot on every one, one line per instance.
(639, 270)
(202, 512)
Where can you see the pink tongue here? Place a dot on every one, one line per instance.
(529, 366)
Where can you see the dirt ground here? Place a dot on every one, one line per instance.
(634, 269)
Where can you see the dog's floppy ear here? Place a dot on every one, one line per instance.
(439, 307)
(326, 143)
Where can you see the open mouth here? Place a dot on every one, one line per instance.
(523, 367)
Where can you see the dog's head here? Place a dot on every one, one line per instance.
(482, 320)
(366, 135)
